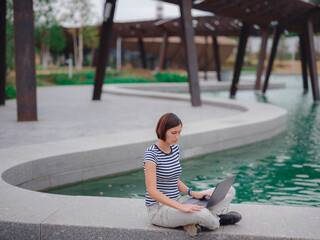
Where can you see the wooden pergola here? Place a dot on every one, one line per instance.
(248, 16)
(296, 16)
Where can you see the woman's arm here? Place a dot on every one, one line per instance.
(154, 193)
(184, 189)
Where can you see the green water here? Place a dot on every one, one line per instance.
(284, 170)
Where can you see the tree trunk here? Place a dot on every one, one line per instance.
(80, 49)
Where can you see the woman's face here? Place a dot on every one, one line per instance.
(173, 135)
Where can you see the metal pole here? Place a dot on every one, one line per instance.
(104, 47)
(272, 56)
(240, 56)
(190, 50)
(3, 13)
(303, 60)
(312, 60)
(142, 54)
(206, 58)
(25, 60)
(262, 56)
(217, 56)
(163, 50)
(119, 50)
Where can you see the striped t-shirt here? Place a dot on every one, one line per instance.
(168, 171)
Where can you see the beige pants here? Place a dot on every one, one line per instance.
(165, 216)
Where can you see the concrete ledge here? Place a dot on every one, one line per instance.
(27, 214)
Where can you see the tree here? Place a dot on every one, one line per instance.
(45, 19)
(9, 36)
(78, 13)
(91, 39)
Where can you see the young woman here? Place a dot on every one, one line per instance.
(162, 176)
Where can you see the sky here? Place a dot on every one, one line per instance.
(132, 10)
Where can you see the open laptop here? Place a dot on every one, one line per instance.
(218, 194)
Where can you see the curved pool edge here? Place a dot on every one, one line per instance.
(27, 214)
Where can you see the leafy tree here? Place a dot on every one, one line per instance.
(9, 36)
(78, 13)
(45, 20)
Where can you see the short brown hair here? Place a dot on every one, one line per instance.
(166, 121)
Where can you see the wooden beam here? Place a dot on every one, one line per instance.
(190, 49)
(104, 47)
(276, 38)
(216, 56)
(262, 56)
(142, 54)
(312, 60)
(3, 13)
(163, 51)
(240, 56)
(24, 46)
(303, 60)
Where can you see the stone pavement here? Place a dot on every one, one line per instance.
(77, 139)
(67, 112)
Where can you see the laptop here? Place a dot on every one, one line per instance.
(218, 194)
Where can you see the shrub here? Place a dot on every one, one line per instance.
(10, 91)
(170, 77)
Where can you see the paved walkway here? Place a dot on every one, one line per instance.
(80, 140)
(68, 112)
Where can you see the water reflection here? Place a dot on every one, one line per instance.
(284, 170)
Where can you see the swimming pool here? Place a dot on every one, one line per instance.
(284, 170)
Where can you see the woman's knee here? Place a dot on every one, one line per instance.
(232, 191)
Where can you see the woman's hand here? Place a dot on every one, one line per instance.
(190, 208)
(199, 195)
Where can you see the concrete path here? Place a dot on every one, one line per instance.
(68, 112)
(77, 139)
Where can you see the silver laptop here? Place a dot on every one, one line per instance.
(218, 194)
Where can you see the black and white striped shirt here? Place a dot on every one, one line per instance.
(168, 171)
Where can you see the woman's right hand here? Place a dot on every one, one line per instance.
(190, 208)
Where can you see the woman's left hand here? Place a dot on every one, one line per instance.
(199, 195)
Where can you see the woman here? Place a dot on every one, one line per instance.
(163, 200)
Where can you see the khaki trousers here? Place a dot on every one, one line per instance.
(164, 216)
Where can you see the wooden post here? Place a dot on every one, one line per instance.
(240, 56)
(25, 60)
(303, 60)
(104, 47)
(312, 60)
(142, 54)
(3, 13)
(262, 56)
(163, 51)
(216, 56)
(272, 56)
(190, 49)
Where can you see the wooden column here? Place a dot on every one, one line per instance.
(190, 49)
(240, 56)
(272, 56)
(142, 54)
(303, 60)
(163, 51)
(3, 13)
(216, 56)
(262, 56)
(104, 47)
(312, 60)
(25, 60)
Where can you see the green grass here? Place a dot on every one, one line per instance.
(111, 77)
